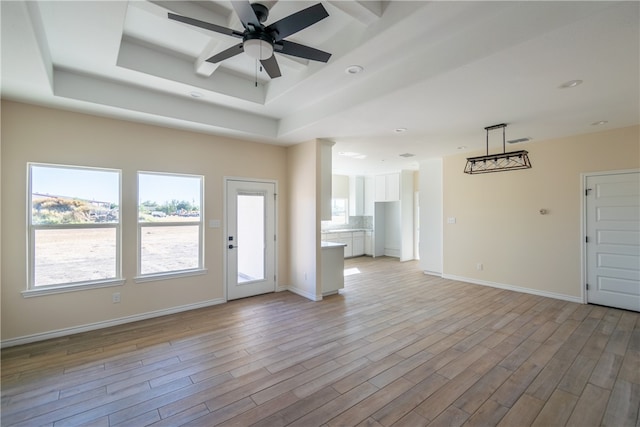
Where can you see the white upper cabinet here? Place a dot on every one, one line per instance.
(369, 195)
(387, 187)
(361, 195)
(356, 195)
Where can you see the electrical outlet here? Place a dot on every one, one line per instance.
(479, 266)
(115, 297)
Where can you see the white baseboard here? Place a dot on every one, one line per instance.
(392, 252)
(105, 324)
(514, 288)
(432, 273)
(304, 293)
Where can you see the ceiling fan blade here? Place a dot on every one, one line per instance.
(271, 67)
(227, 53)
(246, 13)
(297, 21)
(301, 51)
(205, 25)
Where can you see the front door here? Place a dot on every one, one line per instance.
(250, 238)
(613, 239)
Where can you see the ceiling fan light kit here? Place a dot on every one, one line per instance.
(499, 162)
(258, 48)
(259, 41)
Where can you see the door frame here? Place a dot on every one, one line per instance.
(225, 251)
(583, 224)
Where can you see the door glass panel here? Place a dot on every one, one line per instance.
(251, 237)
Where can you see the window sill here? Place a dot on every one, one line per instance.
(172, 275)
(50, 290)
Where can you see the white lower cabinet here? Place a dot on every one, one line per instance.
(368, 243)
(358, 243)
(354, 241)
(348, 241)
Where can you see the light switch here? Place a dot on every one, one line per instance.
(451, 220)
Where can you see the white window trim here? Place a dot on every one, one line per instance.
(170, 275)
(117, 280)
(166, 275)
(81, 286)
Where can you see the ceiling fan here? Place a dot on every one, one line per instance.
(259, 41)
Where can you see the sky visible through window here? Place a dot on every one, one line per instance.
(102, 185)
(86, 184)
(165, 188)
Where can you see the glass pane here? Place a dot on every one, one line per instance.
(339, 211)
(76, 255)
(65, 195)
(165, 197)
(251, 244)
(171, 248)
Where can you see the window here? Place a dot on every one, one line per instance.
(339, 211)
(169, 224)
(74, 226)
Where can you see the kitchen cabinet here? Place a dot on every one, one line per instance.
(347, 240)
(361, 195)
(357, 248)
(356, 195)
(368, 243)
(387, 187)
(369, 195)
(353, 241)
(332, 264)
(393, 221)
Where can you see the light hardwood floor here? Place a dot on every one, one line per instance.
(396, 348)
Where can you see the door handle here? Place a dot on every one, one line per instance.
(232, 247)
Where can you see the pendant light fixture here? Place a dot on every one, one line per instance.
(498, 162)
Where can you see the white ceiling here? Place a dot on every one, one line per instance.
(442, 70)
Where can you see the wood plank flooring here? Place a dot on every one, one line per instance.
(396, 348)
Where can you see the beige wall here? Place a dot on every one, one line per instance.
(302, 167)
(498, 222)
(36, 134)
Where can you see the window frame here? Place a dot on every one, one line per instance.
(33, 290)
(345, 217)
(170, 274)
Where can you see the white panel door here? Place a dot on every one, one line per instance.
(613, 240)
(250, 238)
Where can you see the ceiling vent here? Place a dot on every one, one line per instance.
(499, 162)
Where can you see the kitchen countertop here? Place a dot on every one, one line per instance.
(332, 245)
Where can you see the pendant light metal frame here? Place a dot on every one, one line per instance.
(498, 162)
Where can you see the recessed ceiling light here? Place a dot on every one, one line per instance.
(353, 69)
(196, 94)
(600, 123)
(462, 147)
(570, 84)
(406, 155)
(400, 130)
